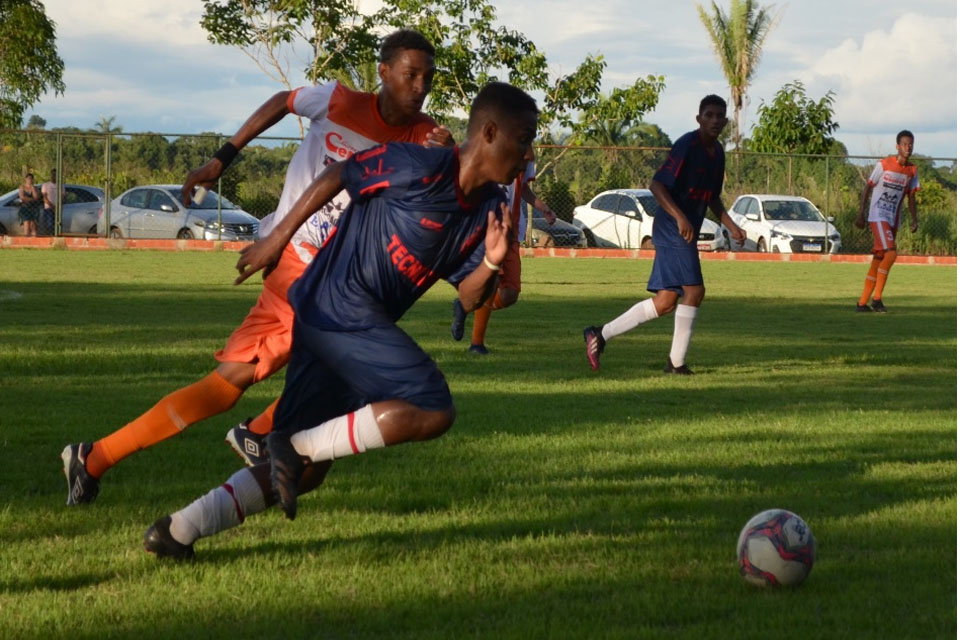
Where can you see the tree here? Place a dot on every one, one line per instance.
(29, 64)
(794, 123)
(737, 40)
(36, 122)
(106, 125)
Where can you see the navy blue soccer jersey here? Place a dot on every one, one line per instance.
(407, 226)
(694, 178)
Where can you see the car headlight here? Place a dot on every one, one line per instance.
(780, 234)
(212, 225)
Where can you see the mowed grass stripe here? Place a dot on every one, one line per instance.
(563, 503)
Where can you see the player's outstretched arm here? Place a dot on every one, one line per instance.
(479, 285)
(267, 115)
(265, 253)
(736, 233)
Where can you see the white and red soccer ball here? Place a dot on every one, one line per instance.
(776, 548)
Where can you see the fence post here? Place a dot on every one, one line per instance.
(108, 185)
(826, 208)
(219, 199)
(58, 205)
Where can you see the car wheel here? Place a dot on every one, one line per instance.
(115, 233)
(762, 245)
(92, 231)
(776, 249)
(646, 243)
(591, 239)
(185, 234)
(3, 230)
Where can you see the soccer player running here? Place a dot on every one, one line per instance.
(356, 381)
(341, 122)
(508, 290)
(892, 178)
(689, 181)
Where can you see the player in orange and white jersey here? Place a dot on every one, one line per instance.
(892, 179)
(341, 122)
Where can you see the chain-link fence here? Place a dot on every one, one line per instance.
(98, 170)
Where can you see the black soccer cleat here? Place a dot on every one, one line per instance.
(877, 306)
(479, 349)
(682, 370)
(286, 468)
(81, 486)
(247, 444)
(593, 336)
(160, 542)
(459, 318)
(862, 308)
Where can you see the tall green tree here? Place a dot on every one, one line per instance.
(107, 124)
(29, 63)
(794, 123)
(737, 39)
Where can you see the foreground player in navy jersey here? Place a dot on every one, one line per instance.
(355, 380)
(688, 182)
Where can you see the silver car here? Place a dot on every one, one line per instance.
(155, 211)
(81, 204)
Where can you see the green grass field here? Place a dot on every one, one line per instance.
(563, 503)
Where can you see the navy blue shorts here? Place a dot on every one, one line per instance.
(674, 267)
(332, 373)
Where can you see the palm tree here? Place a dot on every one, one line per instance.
(106, 125)
(738, 40)
(362, 76)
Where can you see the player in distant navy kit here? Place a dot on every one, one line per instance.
(688, 182)
(356, 381)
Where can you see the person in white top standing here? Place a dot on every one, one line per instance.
(52, 192)
(893, 178)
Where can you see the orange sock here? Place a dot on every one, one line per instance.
(177, 411)
(263, 423)
(870, 283)
(481, 317)
(884, 272)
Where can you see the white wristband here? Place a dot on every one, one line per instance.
(490, 265)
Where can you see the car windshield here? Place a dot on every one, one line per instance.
(791, 210)
(209, 201)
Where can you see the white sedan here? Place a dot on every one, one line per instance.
(623, 218)
(783, 224)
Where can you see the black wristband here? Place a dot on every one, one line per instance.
(226, 154)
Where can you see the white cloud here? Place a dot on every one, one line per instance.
(892, 79)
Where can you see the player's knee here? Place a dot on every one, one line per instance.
(433, 424)
(508, 297)
(891, 255)
(694, 296)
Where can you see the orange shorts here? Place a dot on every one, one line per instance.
(510, 270)
(884, 238)
(265, 335)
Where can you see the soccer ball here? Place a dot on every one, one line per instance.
(776, 548)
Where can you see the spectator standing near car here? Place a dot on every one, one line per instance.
(508, 290)
(688, 182)
(52, 194)
(30, 202)
(892, 178)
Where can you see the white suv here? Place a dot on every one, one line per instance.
(783, 224)
(624, 218)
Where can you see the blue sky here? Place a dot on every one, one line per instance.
(892, 65)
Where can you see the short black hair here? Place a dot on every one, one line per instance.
(402, 40)
(905, 132)
(29, 175)
(712, 99)
(500, 99)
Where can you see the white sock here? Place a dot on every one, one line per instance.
(635, 315)
(683, 321)
(224, 507)
(342, 436)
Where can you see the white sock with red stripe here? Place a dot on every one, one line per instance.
(223, 508)
(342, 436)
(635, 315)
